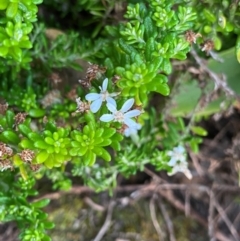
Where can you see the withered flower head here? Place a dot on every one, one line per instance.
(115, 79)
(51, 97)
(72, 94)
(55, 78)
(82, 106)
(208, 45)
(5, 151)
(35, 167)
(3, 108)
(27, 155)
(20, 118)
(5, 164)
(94, 71)
(191, 37)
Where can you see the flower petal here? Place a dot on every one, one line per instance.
(111, 100)
(179, 149)
(92, 96)
(112, 106)
(132, 113)
(127, 105)
(105, 84)
(132, 130)
(114, 94)
(172, 162)
(106, 117)
(130, 123)
(95, 106)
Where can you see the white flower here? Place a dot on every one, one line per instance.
(98, 99)
(177, 154)
(178, 161)
(130, 131)
(181, 167)
(122, 115)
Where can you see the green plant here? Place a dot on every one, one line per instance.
(117, 118)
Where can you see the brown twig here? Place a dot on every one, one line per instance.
(226, 219)
(219, 83)
(107, 222)
(167, 220)
(187, 203)
(154, 218)
(196, 164)
(94, 205)
(76, 190)
(211, 217)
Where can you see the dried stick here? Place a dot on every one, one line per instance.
(226, 219)
(211, 217)
(154, 218)
(196, 163)
(94, 205)
(219, 83)
(187, 203)
(167, 220)
(107, 222)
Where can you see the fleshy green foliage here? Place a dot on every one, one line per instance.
(14, 206)
(145, 46)
(15, 26)
(138, 80)
(90, 143)
(43, 136)
(219, 22)
(52, 145)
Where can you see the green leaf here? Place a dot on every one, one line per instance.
(3, 51)
(26, 144)
(105, 155)
(12, 10)
(109, 132)
(41, 145)
(42, 157)
(5, 200)
(36, 113)
(27, 44)
(41, 203)
(150, 29)
(34, 136)
(9, 29)
(149, 49)
(11, 136)
(116, 145)
(126, 47)
(89, 158)
(51, 127)
(4, 4)
(86, 129)
(199, 130)
(74, 151)
(238, 49)
(49, 140)
(25, 130)
(16, 52)
(48, 225)
(37, 1)
(105, 142)
(10, 118)
(166, 66)
(98, 150)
